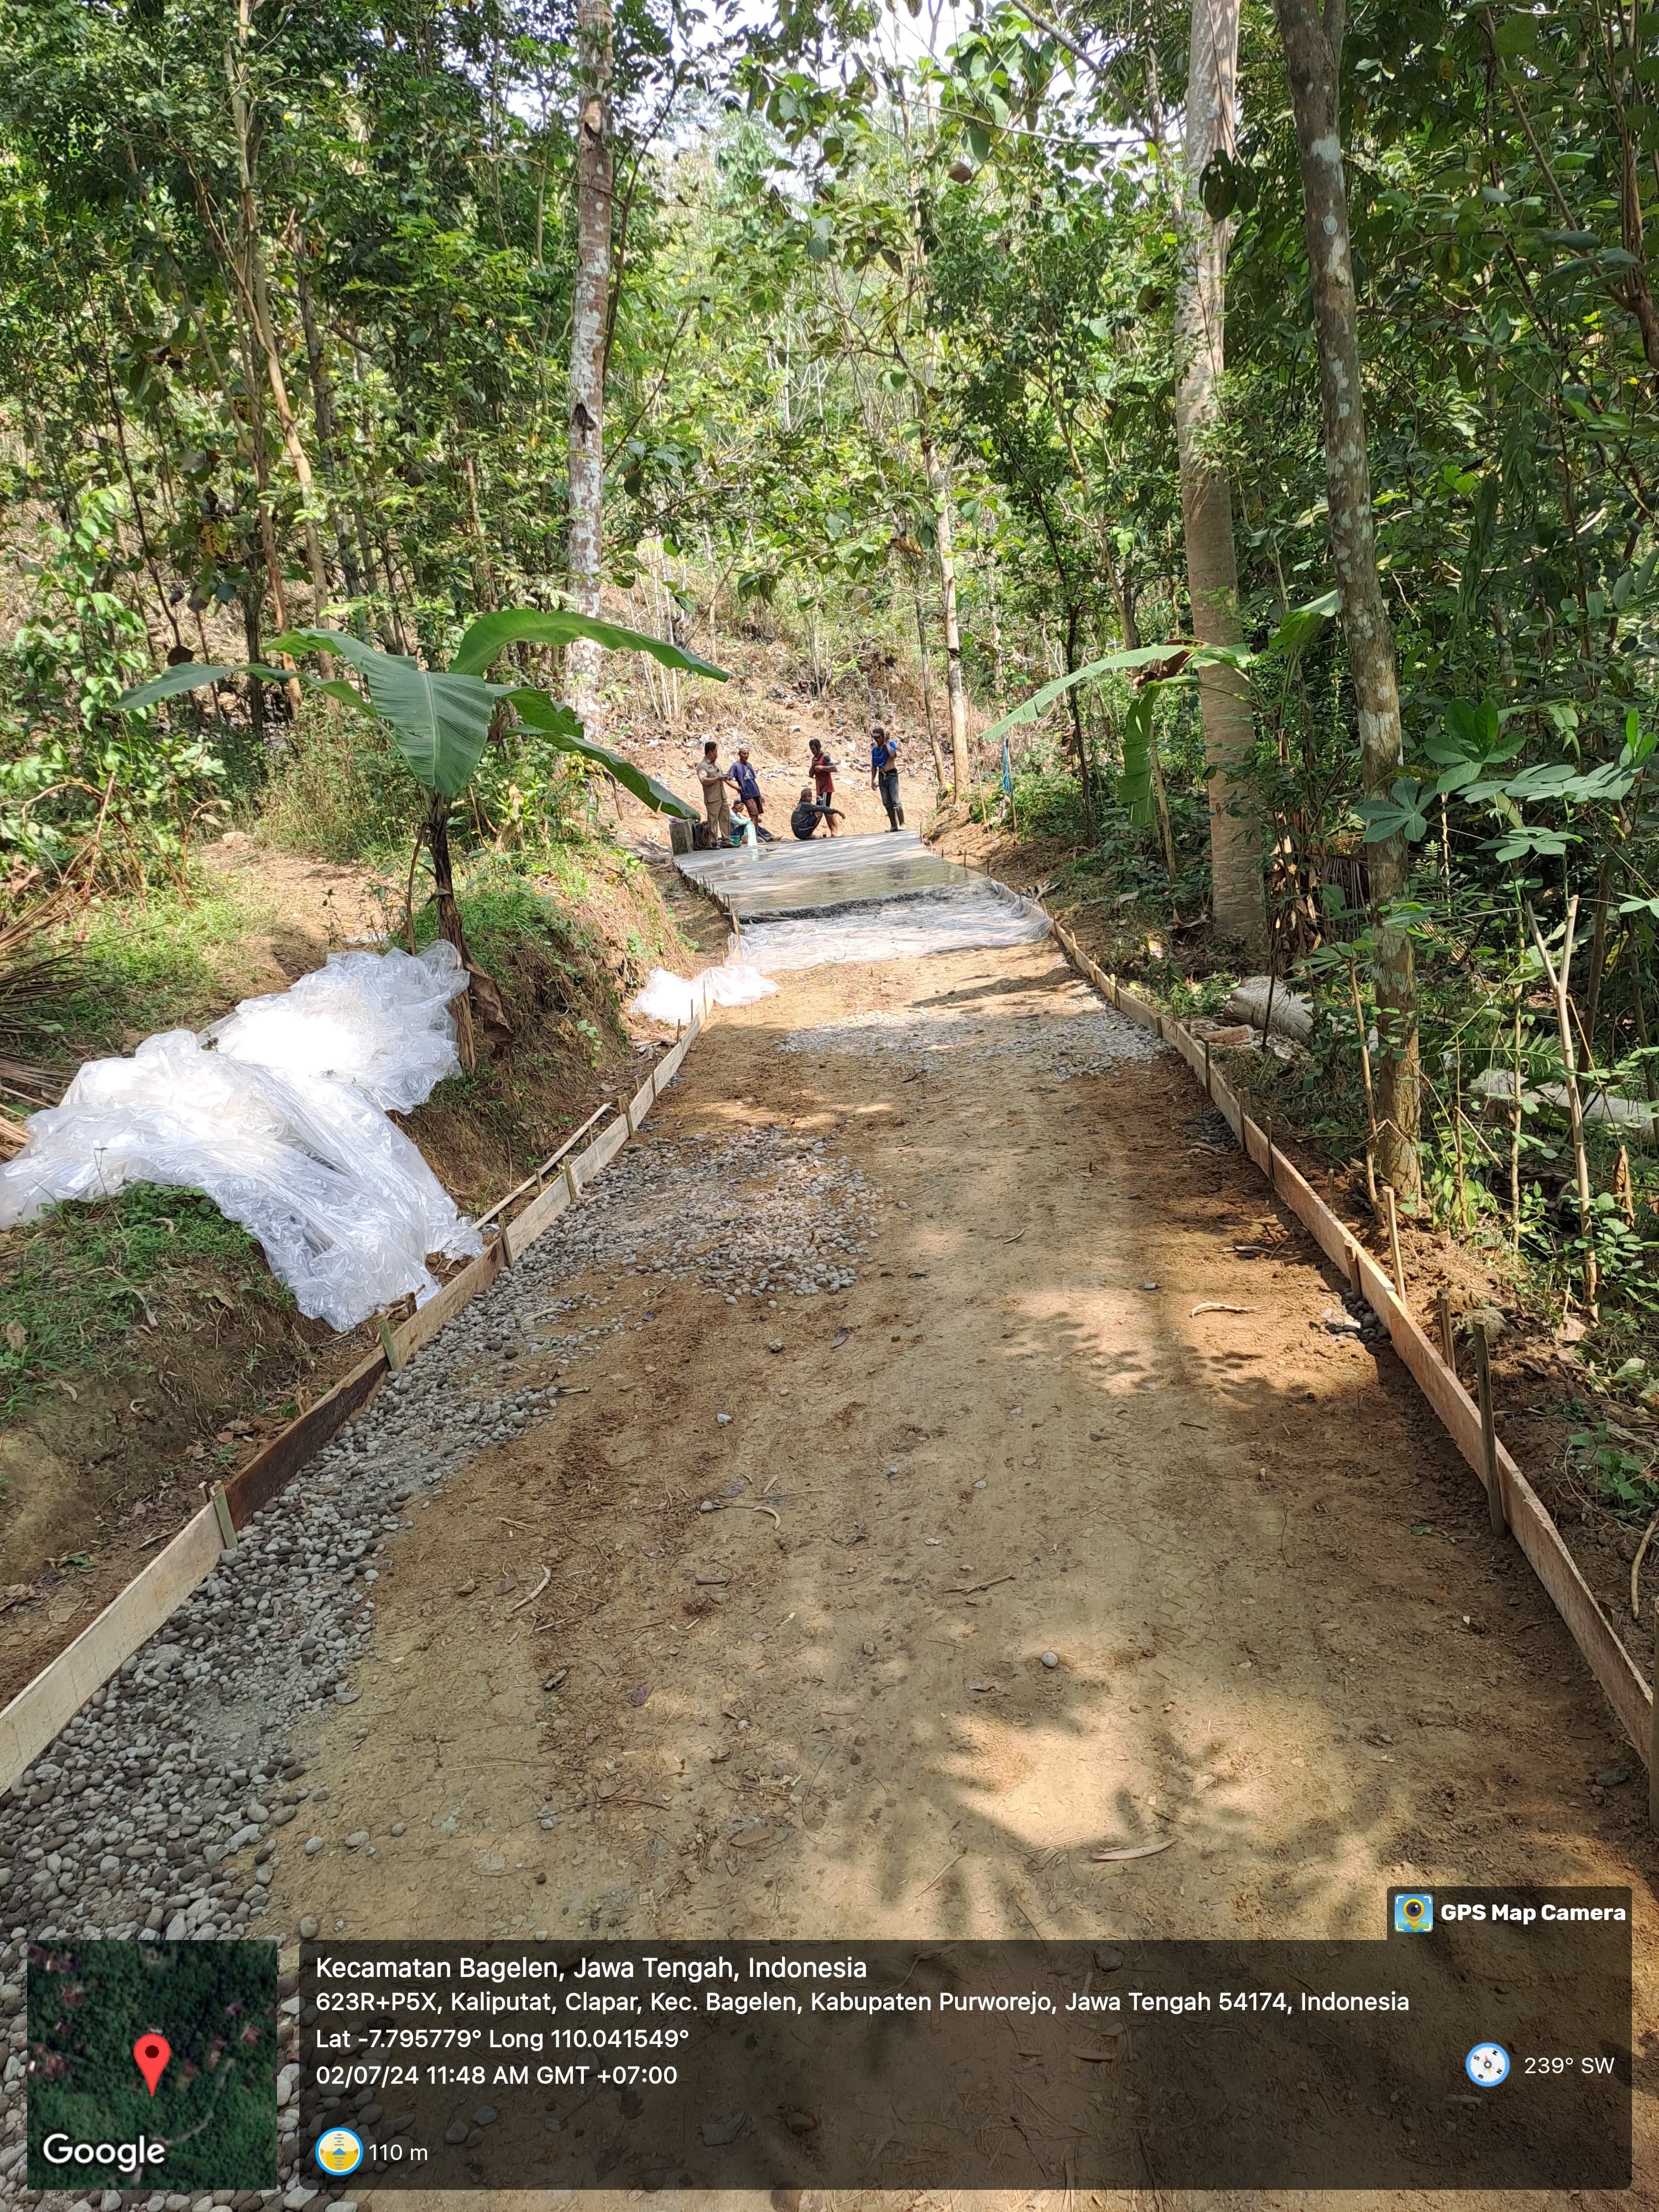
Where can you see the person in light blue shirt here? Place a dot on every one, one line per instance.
(884, 774)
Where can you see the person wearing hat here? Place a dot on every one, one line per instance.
(715, 781)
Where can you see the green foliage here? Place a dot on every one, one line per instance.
(1623, 1479)
(79, 1284)
(440, 720)
(69, 760)
(169, 960)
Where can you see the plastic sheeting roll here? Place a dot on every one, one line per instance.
(283, 1128)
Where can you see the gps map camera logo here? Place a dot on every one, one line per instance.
(1414, 1912)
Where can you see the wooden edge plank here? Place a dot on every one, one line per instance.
(1137, 1009)
(255, 1484)
(44, 1706)
(670, 1065)
(611, 1143)
(604, 1149)
(426, 1321)
(1530, 1520)
(1332, 1235)
(1535, 1531)
(643, 1100)
(541, 1213)
(1223, 1096)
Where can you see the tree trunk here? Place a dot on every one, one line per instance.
(927, 693)
(1206, 499)
(1086, 781)
(939, 486)
(585, 464)
(322, 407)
(1311, 64)
(449, 919)
(255, 296)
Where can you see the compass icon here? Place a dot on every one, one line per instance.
(1487, 2064)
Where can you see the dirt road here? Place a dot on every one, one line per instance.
(1014, 1555)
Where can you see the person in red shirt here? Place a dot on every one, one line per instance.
(823, 785)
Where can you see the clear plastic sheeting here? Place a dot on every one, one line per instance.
(962, 918)
(379, 1020)
(342, 1201)
(672, 1000)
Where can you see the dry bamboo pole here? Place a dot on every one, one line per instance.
(1488, 1429)
(1560, 981)
(1448, 1341)
(1393, 1213)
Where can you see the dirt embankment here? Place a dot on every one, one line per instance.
(167, 1353)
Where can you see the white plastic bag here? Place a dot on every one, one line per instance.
(379, 1020)
(672, 999)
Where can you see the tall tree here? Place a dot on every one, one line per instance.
(1313, 47)
(938, 471)
(1206, 508)
(589, 324)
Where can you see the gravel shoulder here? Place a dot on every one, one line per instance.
(705, 1577)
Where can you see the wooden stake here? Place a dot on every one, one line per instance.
(1488, 1428)
(1370, 1181)
(221, 1505)
(1394, 1239)
(570, 1182)
(1209, 1087)
(394, 1357)
(1448, 1341)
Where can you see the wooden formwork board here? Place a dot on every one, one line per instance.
(1529, 1519)
(50, 1701)
(44, 1706)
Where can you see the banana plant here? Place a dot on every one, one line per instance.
(441, 718)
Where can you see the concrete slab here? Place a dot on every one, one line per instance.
(806, 876)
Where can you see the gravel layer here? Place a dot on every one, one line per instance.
(165, 1807)
(1082, 1038)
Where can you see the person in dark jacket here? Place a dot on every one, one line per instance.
(807, 816)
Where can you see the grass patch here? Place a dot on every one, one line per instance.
(76, 1284)
(342, 789)
(171, 963)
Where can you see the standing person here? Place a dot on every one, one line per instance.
(715, 782)
(824, 784)
(884, 774)
(748, 791)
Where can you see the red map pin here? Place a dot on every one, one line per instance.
(152, 2053)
